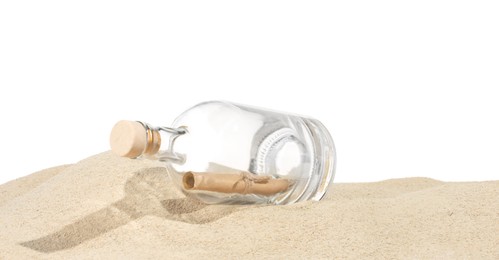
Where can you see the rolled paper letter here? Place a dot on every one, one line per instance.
(244, 183)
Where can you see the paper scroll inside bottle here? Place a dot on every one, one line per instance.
(243, 183)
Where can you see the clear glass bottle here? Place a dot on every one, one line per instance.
(221, 152)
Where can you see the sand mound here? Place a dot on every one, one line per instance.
(111, 207)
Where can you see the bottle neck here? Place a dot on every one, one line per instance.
(160, 141)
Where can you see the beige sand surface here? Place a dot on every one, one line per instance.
(115, 208)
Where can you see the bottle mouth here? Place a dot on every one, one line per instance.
(153, 139)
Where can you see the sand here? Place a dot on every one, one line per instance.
(108, 207)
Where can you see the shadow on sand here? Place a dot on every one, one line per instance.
(148, 193)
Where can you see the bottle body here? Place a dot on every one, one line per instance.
(221, 152)
(265, 156)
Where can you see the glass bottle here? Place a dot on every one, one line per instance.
(221, 152)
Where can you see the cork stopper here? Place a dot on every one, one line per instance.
(128, 139)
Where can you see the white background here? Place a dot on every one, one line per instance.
(407, 88)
